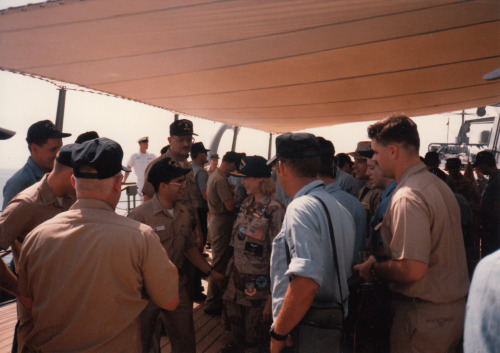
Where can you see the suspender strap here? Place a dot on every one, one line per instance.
(334, 247)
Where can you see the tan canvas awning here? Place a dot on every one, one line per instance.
(271, 65)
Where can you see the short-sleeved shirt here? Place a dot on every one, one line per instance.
(28, 209)
(482, 322)
(139, 162)
(24, 177)
(201, 179)
(347, 182)
(175, 231)
(218, 191)
(422, 223)
(306, 231)
(253, 233)
(189, 199)
(87, 271)
(356, 210)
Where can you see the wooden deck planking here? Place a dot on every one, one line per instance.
(8, 318)
(208, 330)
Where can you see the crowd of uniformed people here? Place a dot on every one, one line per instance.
(310, 251)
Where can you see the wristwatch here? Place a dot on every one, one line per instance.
(276, 336)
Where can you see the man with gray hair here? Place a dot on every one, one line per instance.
(90, 266)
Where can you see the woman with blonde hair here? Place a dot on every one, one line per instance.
(247, 299)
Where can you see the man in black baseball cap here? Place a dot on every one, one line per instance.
(305, 233)
(180, 142)
(173, 225)
(44, 141)
(101, 255)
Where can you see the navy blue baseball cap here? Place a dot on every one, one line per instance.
(254, 167)
(296, 145)
(103, 154)
(42, 130)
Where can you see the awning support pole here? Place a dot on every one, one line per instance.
(270, 145)
(60, 109)
(235, 137)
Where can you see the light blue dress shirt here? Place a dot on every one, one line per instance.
(307, 234)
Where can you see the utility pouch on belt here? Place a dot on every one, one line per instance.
(321, 330)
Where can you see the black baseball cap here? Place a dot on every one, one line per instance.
(64, 156)
(296, 145)
(198, 147)
(6, 134)
(103, 154)
(43, 130)
(254, 167)
(87, 136)
(182, 127)
(165, 169)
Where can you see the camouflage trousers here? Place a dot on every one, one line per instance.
(244, 328)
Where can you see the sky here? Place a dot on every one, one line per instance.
(25, 100)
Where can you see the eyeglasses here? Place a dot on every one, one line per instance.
(186, 139)
(179, 183)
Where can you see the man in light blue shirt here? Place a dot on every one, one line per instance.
(44, 141)
(343, 179)
(309, 280)
(351, 204)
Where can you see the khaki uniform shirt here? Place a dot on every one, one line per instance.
(174, 232)
(87, 271)
(28, 209)
(253, 233)
(189, 200)
(218, 191)
(422, 223)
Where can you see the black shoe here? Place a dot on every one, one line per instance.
(208, 246)
(199, 298)
(205, 255)
(213, 311)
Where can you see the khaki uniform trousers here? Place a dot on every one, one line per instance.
(422, 326)
(221, 227)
